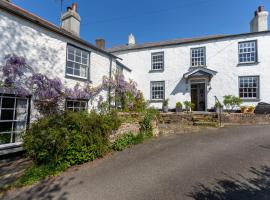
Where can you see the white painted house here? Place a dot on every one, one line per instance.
(58, 52)
(198, 69)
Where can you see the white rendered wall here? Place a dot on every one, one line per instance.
(46, 51)
(221, 56)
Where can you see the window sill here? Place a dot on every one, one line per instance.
(247, 64)
(251, 100)
(156, 71)
(78, 78)
(156, 101)
(10, 145)
(205, 66)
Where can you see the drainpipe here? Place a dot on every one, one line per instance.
(109, 89)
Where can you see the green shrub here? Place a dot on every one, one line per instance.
(126, 141)
(232, 102)
(189, 105)
(72, 138)
(146, 127)
(178, 104)
(37, 173)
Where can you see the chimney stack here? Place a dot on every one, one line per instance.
(260, 20)
(131, 39)
(100, 43)
(71, 20)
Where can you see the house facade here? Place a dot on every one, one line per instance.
(197, 69)
(201, 69)
(57, 52)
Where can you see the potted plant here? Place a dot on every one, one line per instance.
(251, 109)
(189, 106)
(165, 104)
(178, 107)
(218, 107)
(231, 102)
(244, 109)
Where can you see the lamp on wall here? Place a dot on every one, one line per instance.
(209, 86)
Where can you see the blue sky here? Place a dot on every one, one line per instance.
(151, 20)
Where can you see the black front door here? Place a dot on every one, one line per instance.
(198, 96)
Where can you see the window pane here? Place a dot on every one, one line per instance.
(247, 52)
(248, 87)
(77, 62)
(5, 126)
(157, 89)
(8, 102)
(7, 114)
(158, 61)
(5, 138)
(198, 57)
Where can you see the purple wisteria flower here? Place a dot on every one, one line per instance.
(45, 89)
(14, 74)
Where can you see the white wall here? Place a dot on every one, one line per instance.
(221, 56)
(45, 51)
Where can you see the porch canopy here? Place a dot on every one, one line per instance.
(198, 72)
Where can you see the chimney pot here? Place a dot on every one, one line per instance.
(71, 20)
(261, 8)
(131, 39)
(74, 7)
(100, 43)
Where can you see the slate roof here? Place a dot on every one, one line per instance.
(19, 12)
(178, 41)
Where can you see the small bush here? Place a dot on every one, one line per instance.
(189, 106)
(71, 138)
(146, 127)
(232, 102)
(126, 141)
(37, 173)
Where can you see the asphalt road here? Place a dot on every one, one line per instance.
(229, 163)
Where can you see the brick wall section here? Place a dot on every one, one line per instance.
(244, 119)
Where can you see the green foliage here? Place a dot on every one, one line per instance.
(218, 104)
(39, 172)
(165, 103)
(72, 138)
(179, 105)
(126, 141)
(189, 105)
(231, 101)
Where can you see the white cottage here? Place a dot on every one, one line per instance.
(198, 69)
(51, 50)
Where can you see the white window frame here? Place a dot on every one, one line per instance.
(157, 61)
(198, 57)
(247, 50)
(156, 84)
(246, 87)
(73, 107)
(15, 110)
(71, 58)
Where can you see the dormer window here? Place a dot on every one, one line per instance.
(198, 57)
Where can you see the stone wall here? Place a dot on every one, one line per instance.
(244, 119)
(134, 128)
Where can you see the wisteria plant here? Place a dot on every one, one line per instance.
(14, 72)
